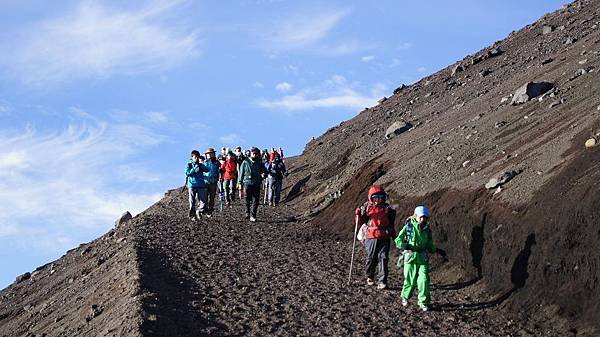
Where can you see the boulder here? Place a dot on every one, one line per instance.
(457, 69)
(400, 88)
(500, 179)
(397, 128)
(547, 30)
(123, 219)
(548, 60)
(529, 91)
(23, 277)
(590, 143)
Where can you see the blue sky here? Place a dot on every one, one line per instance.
(102, 101)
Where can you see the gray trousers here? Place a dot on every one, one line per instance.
(230, 187)
(377, 258)
(198, 193)
(266, 187)
(274, 190)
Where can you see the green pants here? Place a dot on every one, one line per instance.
(416, 275)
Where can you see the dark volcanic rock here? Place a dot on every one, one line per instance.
(529, 91)
(23, 277)
(123, 219)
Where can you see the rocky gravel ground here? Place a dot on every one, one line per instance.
(278, 276)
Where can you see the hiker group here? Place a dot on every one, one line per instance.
(242, 174)
(232, 175)
(414, 241)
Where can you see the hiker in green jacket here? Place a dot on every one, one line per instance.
(250, 176)
(416, 242)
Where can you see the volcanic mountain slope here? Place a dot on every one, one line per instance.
(522, 259)
(463, 131)
(164, 275)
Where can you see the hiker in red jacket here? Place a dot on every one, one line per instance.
(379, 217)
(230, 174)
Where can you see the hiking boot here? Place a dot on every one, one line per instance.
(370, 281)
(424, 307)
(404, 302)
(252, 219)
(208, 215)
(199, 214)
(247, 216)
(192, 218)
(381, 286)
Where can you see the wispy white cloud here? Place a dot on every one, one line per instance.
(7, 229)
(290, 68)
(4, 108)
(367, 58)
(94, 41)
(56, 185)
(306, 29)
(231, 139)
(336, 91)
(421, 69)
(258, 84)
(283, 87)
(312, 32)
(405, 46)
(156, 117)
(395, 63)
(343, 48)
(137, 173)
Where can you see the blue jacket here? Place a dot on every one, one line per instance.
(212, 175)
(194, 176)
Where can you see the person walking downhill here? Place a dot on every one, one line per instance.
(416, 241)
(276, 170)
(250, 176)
(239, 157)
(211, 179)
(266, 161)
(230, 174)
(379, 217)
(195, 184)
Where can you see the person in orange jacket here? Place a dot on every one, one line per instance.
(379, 217)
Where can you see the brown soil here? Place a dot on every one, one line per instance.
(522, 262)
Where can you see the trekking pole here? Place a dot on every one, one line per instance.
(221, 197)
(353, 245)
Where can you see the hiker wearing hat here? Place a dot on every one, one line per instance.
(415, 240)
(250, 176)
(230, 174)
(379, 217)
(276, 170)
(211, 179)
(194, 180)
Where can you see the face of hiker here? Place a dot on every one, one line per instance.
(254, 155)
(195, 158)
(423, 220)
(378, 200)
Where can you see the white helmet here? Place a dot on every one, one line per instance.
(422, 211)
